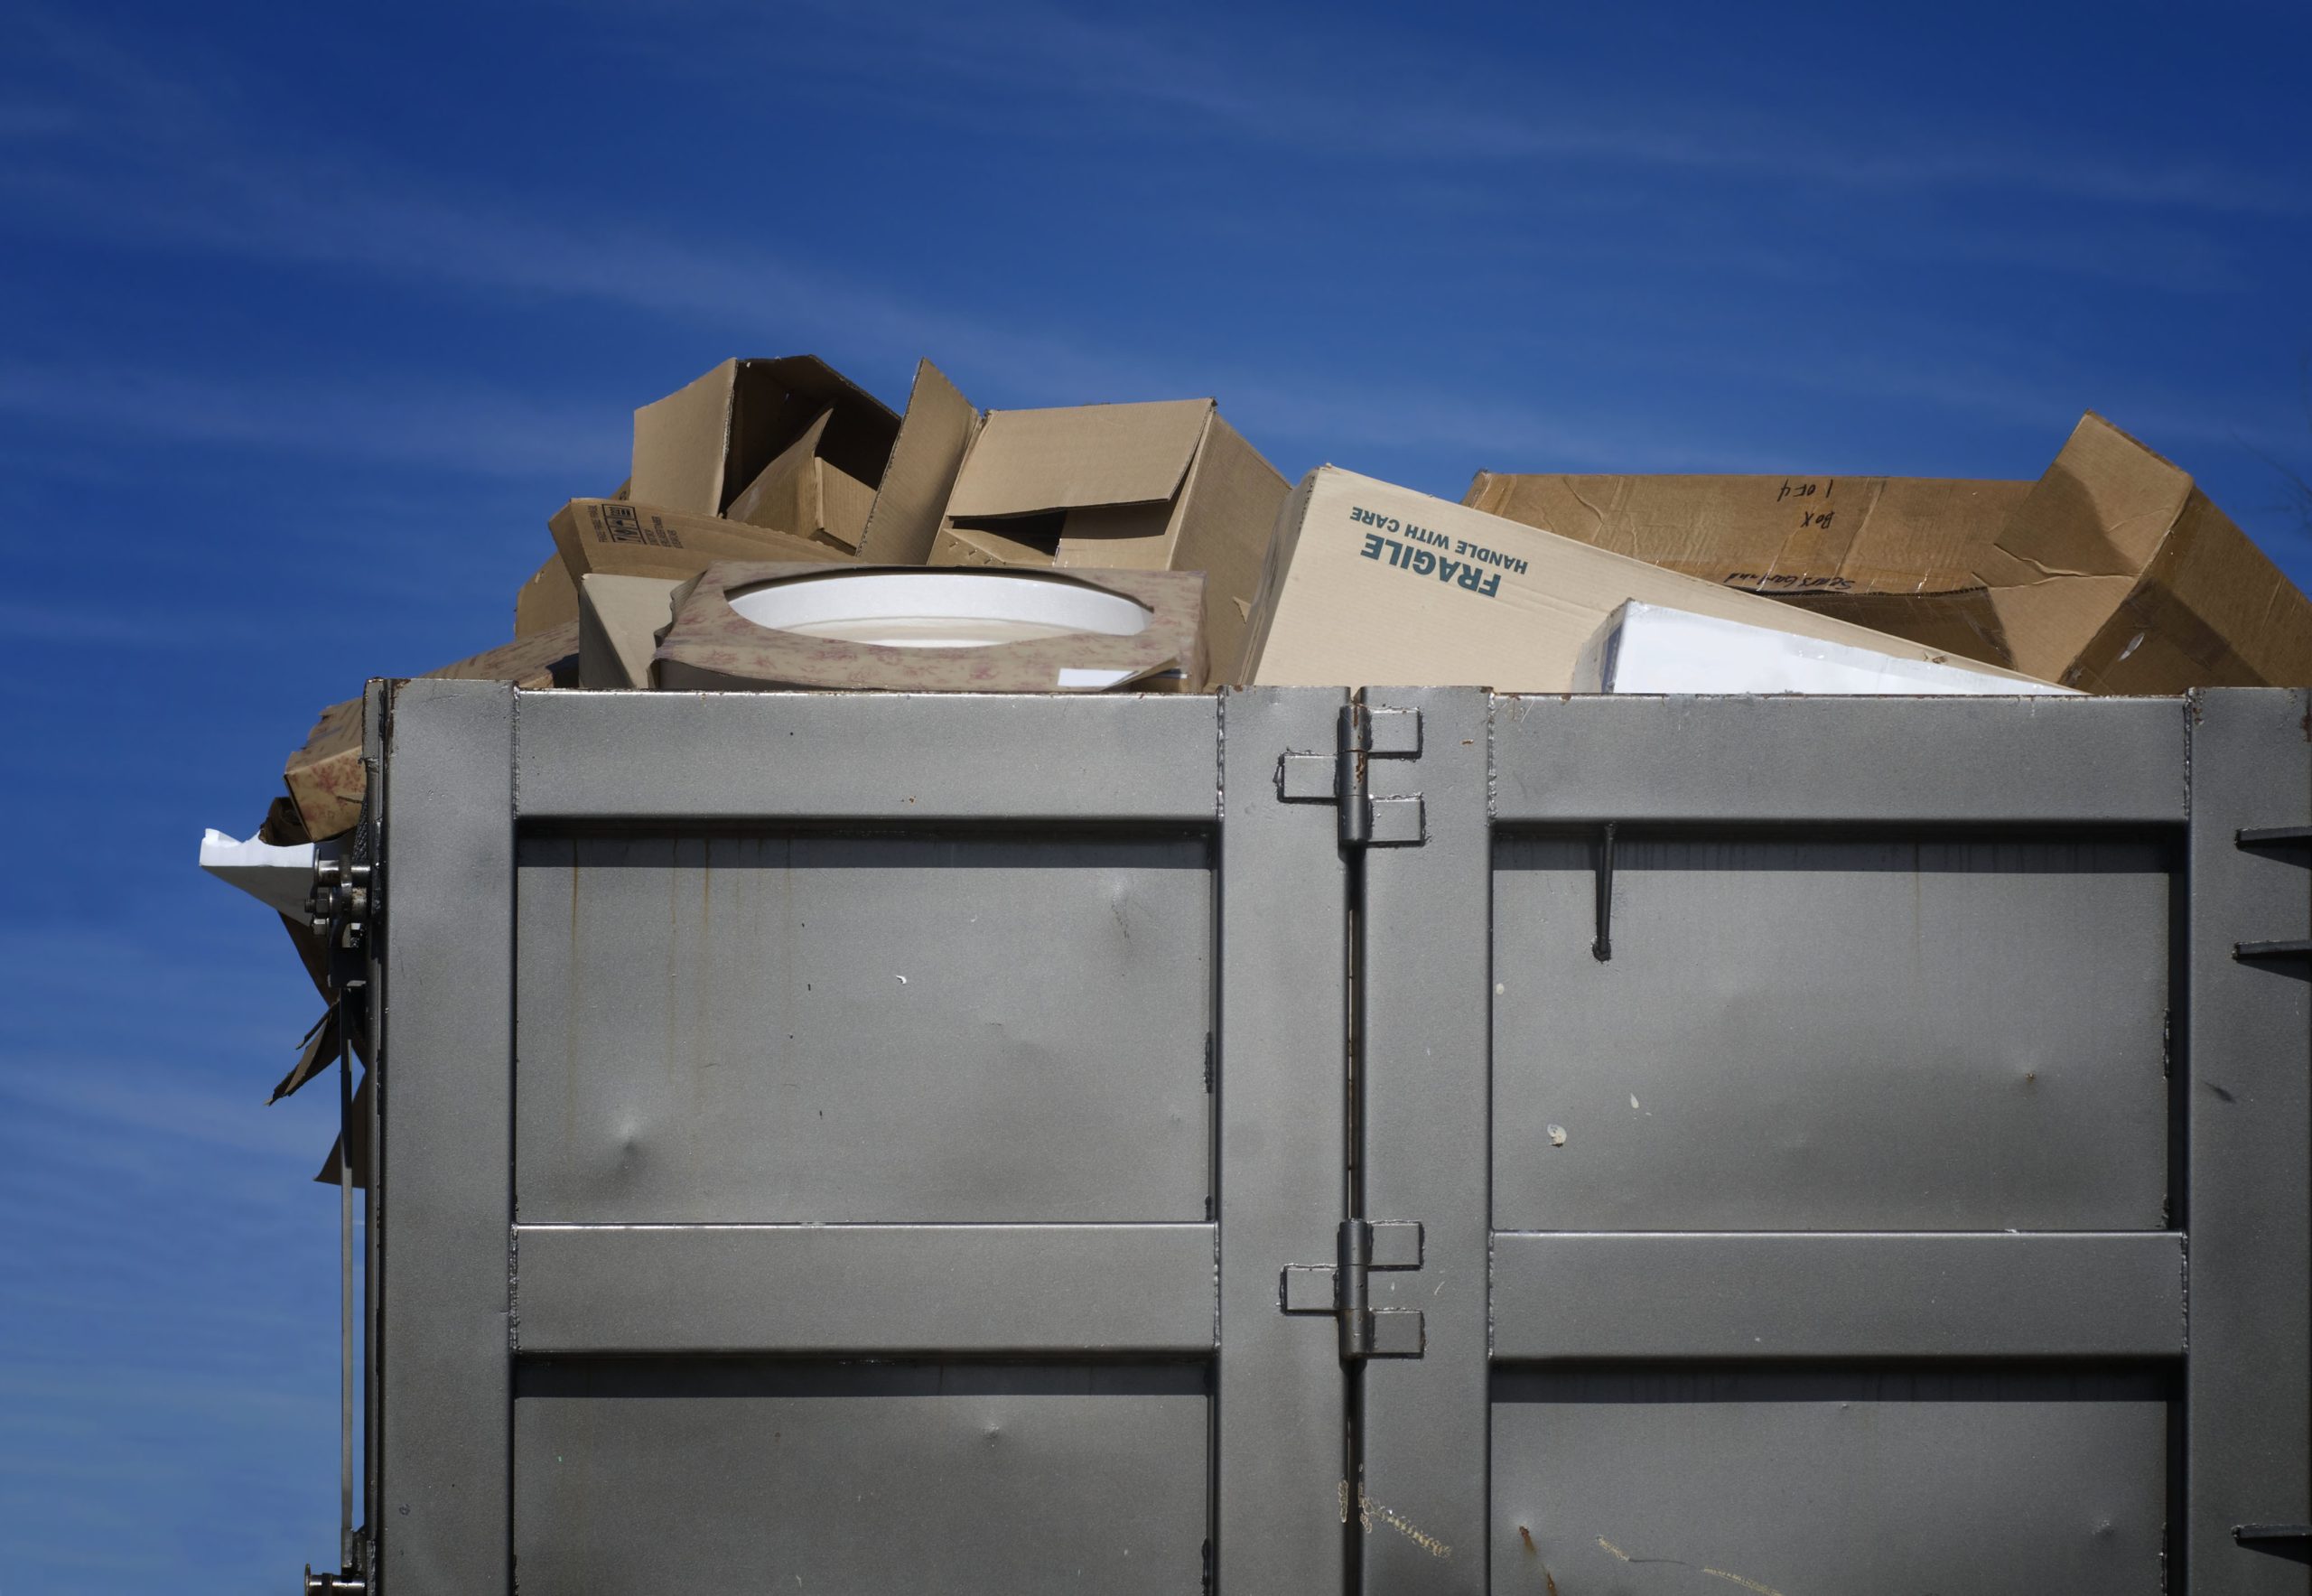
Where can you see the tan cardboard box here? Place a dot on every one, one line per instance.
(699, 448)
(1371, 584)
(1168, 486)
(2112, 573)
(615, 538)
(619, 619)
(326, 780)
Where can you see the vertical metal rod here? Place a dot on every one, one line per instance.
(345, 1286)
(1601, 947)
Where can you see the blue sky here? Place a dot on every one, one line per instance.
(313, 316)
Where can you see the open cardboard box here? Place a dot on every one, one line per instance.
(2112, 573)
(1367, 582)
(823, 440)
(614, 537)
(1167, 486)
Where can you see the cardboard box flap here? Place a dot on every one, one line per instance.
(2102, 509)
(1781, 535)
(626, 539)
(695, 449)
(933, 438)
(1033, 461)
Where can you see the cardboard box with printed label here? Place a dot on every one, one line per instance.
(703, 447)
(2112, 572)
(613, 537)
(1167, 486)
(1367, 582)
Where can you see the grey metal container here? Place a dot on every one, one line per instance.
(1293, 1141)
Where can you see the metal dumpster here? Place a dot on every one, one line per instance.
(1306, 1141)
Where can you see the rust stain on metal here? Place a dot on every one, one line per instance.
(1746, 1584)
(1368, 1510)
(1527, 1536)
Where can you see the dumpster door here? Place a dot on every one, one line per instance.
(1812, 1108)
(852, 1143)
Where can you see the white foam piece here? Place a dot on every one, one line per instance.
(280, 878)
(939, 608)
(1651, 649)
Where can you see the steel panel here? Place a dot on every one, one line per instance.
(865, 1289)
(445, 1193)
(1281, 1420)
(679, 1475)
(2247, 1206)
(1788, 758)
(1875, 1295)
(1684, 1485)
(1422, 1496)
(903, 1029)
(1815, 1034)
(914, 758)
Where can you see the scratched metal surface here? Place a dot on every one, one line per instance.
(850, 1030)
(1832, 1035)
(1802, 1484)
(637, 1475)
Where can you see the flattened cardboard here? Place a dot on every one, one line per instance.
(1161, 486)
(935, 435)
(325, 777)
(2112, 573)
(621, 539)
(711, 646)
(1366, 582)
(697, 448)
(619, 619)
(1028, 462)
(547, 600)
(1769, 533)
(807, 496)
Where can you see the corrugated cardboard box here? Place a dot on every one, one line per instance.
(2112, 573)
(1150, 487)
(617, 538)
(1371, 583)
(751, 626)
(326, 778)
(699, 448)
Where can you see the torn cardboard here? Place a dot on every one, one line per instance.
(934, 436)
(1165, 486)
(2112, 573)
(1367, 582)
(615, 538)
(698, 448)
(749, 626)
(619, 619)
(326, 778)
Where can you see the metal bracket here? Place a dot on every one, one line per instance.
(1342, 777)
(1339, 1289)
(2272, 836)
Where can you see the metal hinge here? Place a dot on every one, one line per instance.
(1341, 778)
(1339, 1289)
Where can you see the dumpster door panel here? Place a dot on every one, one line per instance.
(908, 1109)
(1842, 1159)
